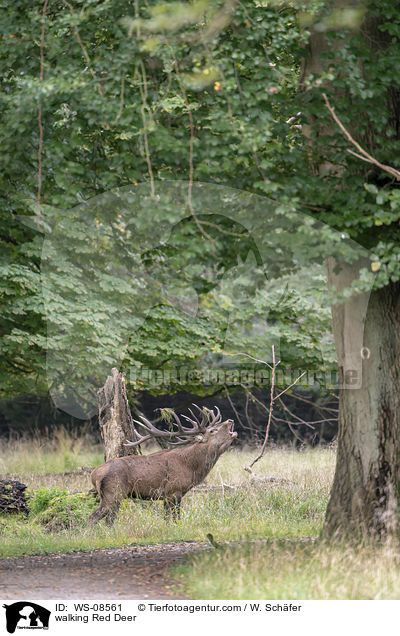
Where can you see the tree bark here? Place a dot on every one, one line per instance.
(366, 488)
(115, 419)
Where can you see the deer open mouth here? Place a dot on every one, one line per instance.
(232, 432)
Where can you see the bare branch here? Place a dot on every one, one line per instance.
(232, 405)
(364, 155)
(256, 359)
(290, 385)
(286, 408)
(319, 407)
(294, 432)
(273, 399)
(359, 156)
(271, 406)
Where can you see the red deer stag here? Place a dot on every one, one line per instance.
(166, 474)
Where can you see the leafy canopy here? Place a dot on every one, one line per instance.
(130, 93)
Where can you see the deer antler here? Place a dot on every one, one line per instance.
(209, 418)
(178, 434)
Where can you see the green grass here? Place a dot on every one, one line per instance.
(63, 452)
(265, 527)
(292, 570)
(293, 508)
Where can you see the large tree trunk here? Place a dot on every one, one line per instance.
(366, 488)
(115, 419)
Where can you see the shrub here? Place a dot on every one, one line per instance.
(57, 509)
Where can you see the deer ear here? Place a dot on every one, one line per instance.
(199, 438)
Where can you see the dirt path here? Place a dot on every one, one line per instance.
(137, 572)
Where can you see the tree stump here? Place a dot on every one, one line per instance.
(115, 418)
(12, 496)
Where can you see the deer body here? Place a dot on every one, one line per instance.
(166, 474)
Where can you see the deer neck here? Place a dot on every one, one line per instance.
(201, 459)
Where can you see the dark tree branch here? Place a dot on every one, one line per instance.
(362, 154)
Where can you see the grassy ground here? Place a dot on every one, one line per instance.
(271, 526)
(32, 458)
(293, 570)
(291, 508)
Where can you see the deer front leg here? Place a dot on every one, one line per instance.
(172, 507)
(167, 508)
(176, 508)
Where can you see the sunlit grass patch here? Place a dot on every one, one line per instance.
(63, 452)
(293, 570)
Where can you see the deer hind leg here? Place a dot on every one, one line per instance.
(112, 513)
(110, 500)
(97, 515)
(111, 493)
(104, 512)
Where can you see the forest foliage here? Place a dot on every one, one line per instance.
(104, 103)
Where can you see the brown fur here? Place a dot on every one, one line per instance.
(167, 474)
